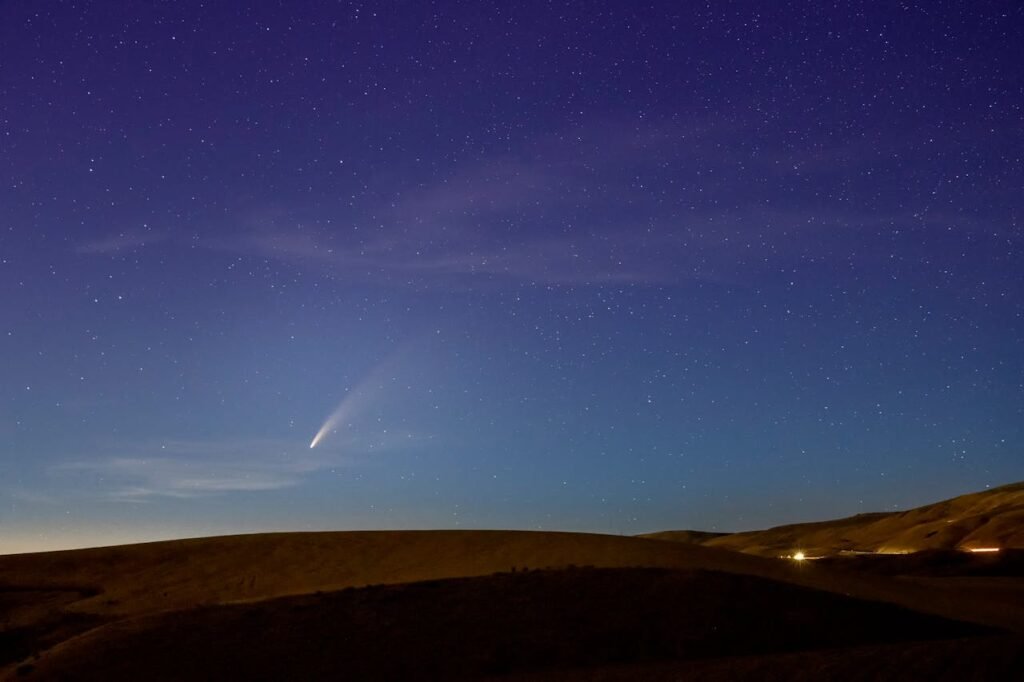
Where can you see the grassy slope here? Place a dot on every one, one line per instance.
(48, 597)
(149, 577)
(146, 578)
(695, 537)
(989, 518)
(507, 623)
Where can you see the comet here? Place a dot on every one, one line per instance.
(345, 409)
(328, 426)
(355, 401)
(368, 391)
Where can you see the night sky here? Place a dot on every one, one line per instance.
(601, 266)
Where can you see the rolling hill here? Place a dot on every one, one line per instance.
(511, 623)
(988, 519)
(528, 605)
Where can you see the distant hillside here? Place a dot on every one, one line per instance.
(992, 518)
(690, 537)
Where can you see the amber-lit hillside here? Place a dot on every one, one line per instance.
(989, 519)
(158, 576)
(66, 615)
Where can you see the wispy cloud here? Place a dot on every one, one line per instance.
(607, 203)
(121, 241)
(536, 259)
(189, 469)
(538, 215)
(21, 495)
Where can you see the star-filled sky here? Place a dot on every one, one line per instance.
(601, 266)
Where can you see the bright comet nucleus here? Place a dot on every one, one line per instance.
(340, 413)
(352, 404)
(331, 423)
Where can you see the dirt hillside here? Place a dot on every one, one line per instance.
(158, 576)
(523, 622)
(991, 518)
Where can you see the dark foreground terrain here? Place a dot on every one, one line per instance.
(579, 622)
(412, 605)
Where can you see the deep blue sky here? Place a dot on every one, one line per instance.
(588, 266)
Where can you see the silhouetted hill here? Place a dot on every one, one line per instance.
(469, 628)
(158, 576)
(450, 604)
(991, 518)
(693, 537)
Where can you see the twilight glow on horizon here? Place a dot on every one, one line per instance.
(604, 266)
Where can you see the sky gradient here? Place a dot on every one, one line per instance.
(602, 266)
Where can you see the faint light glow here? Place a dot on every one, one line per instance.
(983, 550)
(356, 400)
